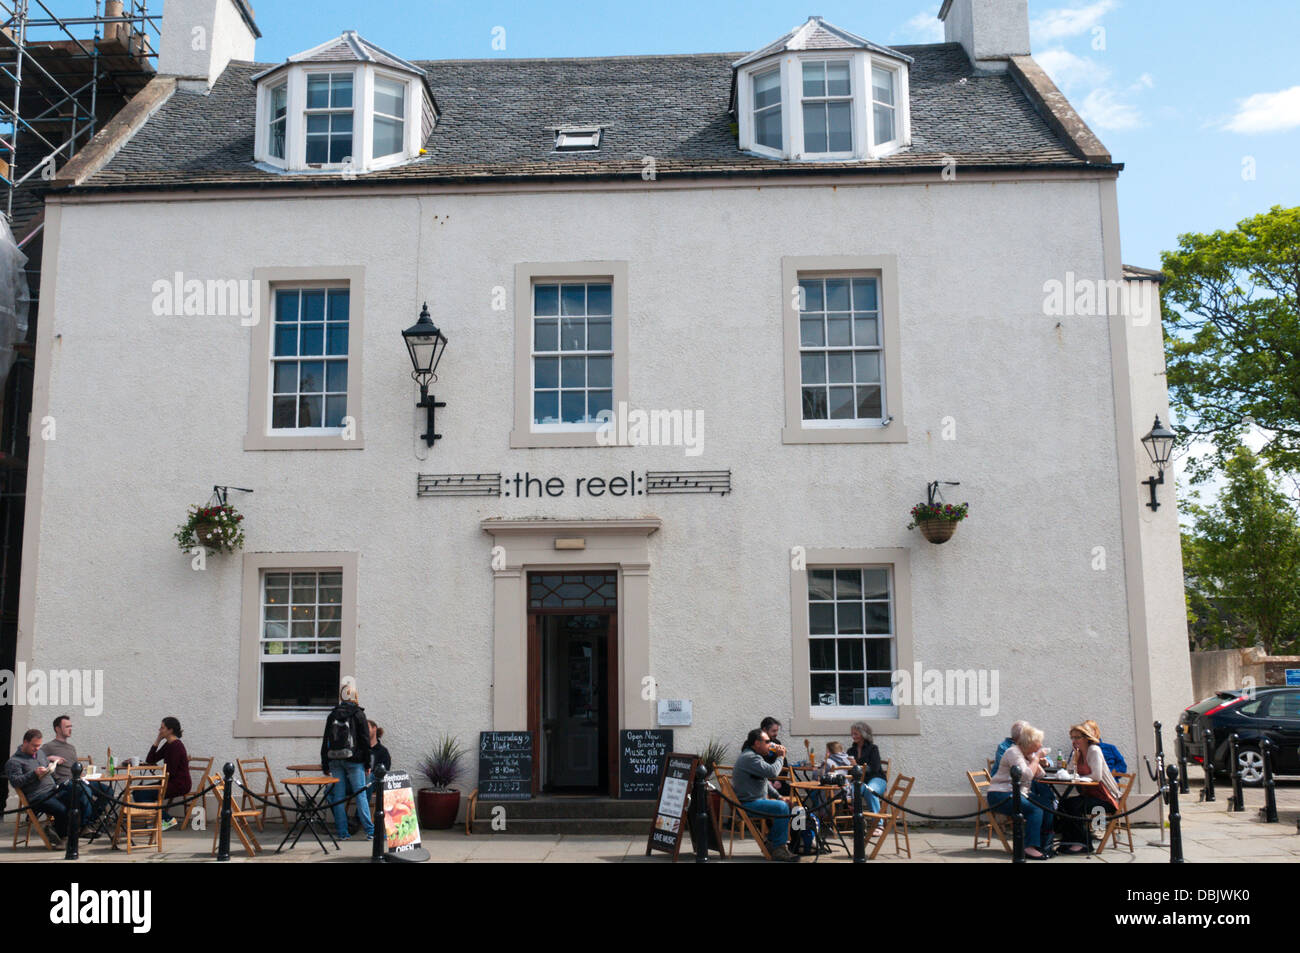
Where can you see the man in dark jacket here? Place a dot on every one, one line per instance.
(345, 754)
(32, 772)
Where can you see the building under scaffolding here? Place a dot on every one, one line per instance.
(61, 79)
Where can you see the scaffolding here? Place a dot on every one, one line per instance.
(60, 78)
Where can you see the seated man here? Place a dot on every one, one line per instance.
(1114, 760)
(31, 771)
(752, 779)
(61, 747)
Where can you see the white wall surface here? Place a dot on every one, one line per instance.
(224, 37)
(151, 413)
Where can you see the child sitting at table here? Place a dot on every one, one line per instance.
(837, 762)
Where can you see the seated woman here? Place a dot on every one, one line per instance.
(1088, 761)
(1024, 754)
(864, 752)
(169, 749)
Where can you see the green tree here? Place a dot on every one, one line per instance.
(1242, 563)
(1232, 307)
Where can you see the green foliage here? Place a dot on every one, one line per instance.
(943, 512)
(215, 527)
(1232, 307)
(1241, 562)
(443, 766)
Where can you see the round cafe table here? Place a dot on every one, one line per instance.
(804, 792)
(1062, 787)
(309, 794)
(106, 823)
(304, 768)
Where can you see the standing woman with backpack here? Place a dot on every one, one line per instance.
(345, 754)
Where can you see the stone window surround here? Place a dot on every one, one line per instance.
(526, 275)
(249, 722)
(529, 546)
(885, 269)
(899, 561)
(258, 435)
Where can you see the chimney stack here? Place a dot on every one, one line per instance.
(991, 31)
(200, 37)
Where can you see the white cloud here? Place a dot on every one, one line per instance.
(1069, 70)
(925, 27)
(1267, 112)
(1102, 109)
(1069, 21)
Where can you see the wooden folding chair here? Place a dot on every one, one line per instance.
(27, 820)
(979, 782)
(893, 816)
(1116, 825)
(239, 818)
(841, 808)
(255, 773)
(747, 822)
(989, 762)
(200, 768)
(146, 785)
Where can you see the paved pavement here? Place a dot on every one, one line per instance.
(1211, 834)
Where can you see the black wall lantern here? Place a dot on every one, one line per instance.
(1160, 446)
(426, 343)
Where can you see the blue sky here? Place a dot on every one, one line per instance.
(1190, 94)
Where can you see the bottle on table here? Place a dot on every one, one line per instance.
(110, 762)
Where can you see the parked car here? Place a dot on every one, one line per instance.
(1272, 713)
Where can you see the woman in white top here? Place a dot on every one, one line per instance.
(1087, 761)
(1024, 754)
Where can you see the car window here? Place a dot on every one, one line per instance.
(1284, 705)
(1252, 709)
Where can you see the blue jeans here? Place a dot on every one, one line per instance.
(778, 812)
(1038, 823)
(352, 780)
(870, 792)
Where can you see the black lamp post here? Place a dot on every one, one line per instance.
(426, 343)
(1160, 445)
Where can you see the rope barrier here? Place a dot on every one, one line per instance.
(101, 796)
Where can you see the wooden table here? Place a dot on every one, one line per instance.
(309, 796)
(106, 823)
(304, 768)
(1065, 784)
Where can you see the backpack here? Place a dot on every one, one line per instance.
(340, 740)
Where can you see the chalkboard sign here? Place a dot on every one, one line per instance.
(675, 780)
(505, 765)
(640, 755)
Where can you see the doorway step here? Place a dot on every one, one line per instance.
(557, 814)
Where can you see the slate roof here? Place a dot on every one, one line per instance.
(497, 120)
(817, 34)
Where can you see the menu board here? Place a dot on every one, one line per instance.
(401, 823)
(675, 781)
(640, 755)
(505, 765)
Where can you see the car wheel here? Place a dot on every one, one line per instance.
(1252, 766)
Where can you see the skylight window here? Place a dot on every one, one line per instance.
(577, 139)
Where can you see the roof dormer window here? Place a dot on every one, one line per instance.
(577, 138)
(346, 105)
(820, 93)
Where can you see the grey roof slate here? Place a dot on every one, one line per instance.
(816, 34)
(497, 119)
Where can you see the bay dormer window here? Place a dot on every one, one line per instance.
(344, 106)
(822, 94)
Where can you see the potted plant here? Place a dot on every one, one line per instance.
(714, 754)
(439, 803)
(216, 526)
(938, 521)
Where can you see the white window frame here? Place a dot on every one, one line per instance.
(271, 121)
(351, 161)
(896, 75)
(577, 139)
(755, 145)
(374, 114)
(560, 355)
(324, 358)
(834, 720)
(263, 659)
(852, 349)
(822, 712)
(852, 98)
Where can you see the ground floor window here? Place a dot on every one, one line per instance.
(301, 640)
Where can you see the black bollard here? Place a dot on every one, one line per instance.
(1175, 818)
(1208, 794)
(700, 821)
(859, 822)
(227, 792)
(1270, 795)
(1017, 819)
(72, 850)
(1182, 760)
(1238, 801)
(380, 844)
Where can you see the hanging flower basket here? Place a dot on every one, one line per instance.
(937, 521)
(215, 526)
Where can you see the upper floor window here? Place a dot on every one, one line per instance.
(767, 109)
(839, 350)
(573, 362)
(827, 107)
(310, 359)
(329, 118)
(346, 105)
(883, 99)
